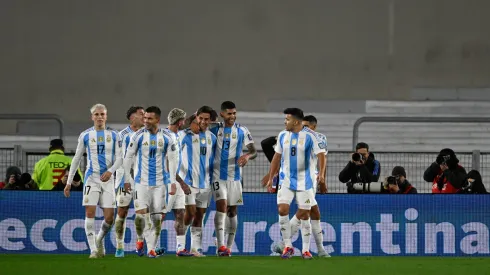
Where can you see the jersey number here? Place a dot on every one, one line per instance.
(203, 150)
(87, 189)
(226, 144)
(293, 151)
(101, 149)
(122, 190)
(216, 186)
(153, 153)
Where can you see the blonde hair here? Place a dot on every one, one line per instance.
(98, 106)
(175, 115)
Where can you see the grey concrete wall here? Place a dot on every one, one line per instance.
(61, 56)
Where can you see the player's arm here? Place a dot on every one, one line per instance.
(249, 143)
(119, 160)
(276, 161)
(128, 162)
(320, 152)
(75, 163)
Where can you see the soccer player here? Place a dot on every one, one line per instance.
(102, 146)
(151, 146)
(311, 122)
(227, 187)
(198, 149)
(176, 202)
(135, 115)
(293, 154)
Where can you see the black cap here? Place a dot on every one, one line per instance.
(58, 143)
(398, 171)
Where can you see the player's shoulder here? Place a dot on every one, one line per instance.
(139, 133)
(126, 131)
(112, 131)
(241, 127)
(210, 134)
(87, 132)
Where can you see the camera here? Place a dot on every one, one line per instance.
(372, 187)
(357, 157)
(391, 180)
(442, 159)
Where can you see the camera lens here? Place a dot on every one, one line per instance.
(356, 157)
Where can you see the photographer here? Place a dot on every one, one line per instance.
(473, 184)
(17, 181)
(362, 168)
(446, 175)
(397, 183)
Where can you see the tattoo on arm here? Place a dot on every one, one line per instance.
(252, 152)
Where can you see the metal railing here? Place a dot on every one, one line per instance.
(55, 117)
(414, 163)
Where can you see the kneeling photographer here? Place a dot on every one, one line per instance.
(446, 175)
(473, 184)
(397, 183)
(361, 170)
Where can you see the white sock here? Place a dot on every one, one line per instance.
(140, 224)
(120, 232)
(196, 236)
(156, 220)
(219, 221)
(295, 225)
(149, 233)
(90, 232)
(317, 232)
(285, 230)
(180, 243)
(305, 234)
(232, 225)
(104, 229)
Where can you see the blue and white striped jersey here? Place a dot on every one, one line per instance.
(198, 151)
(298, 152)
(229, 148)
(125, 135)
(151, 151)
(103, 150)
(177, 142)
(323, 139)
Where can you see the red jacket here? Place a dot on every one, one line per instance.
(448, 187)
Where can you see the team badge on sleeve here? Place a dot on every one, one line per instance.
(321, 145)
(173, 147)
(249, 136)
(119, 143)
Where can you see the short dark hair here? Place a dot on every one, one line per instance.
(311, 119)
(214, 115)
(361, 145)
(132, 110)
(227, 105)
(154, 109)
(205, 109)
(295, 112)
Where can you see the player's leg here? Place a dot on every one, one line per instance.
(220, 197)
(202, 203)
(235, 198)
(317, 231)
(123, 200)
(284, 198)
(107, 202)
(142, 217)
(304, 199)
(91, 194)
(157, 205)
(190, 216)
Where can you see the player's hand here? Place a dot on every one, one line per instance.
(265, 180)
(173, 189)
(185, 188)
(66, 191)
(322, 184)
(127, 187)
(269, 186)
(243, 160)
(106, 176)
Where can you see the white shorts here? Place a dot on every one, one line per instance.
(231, 191)
(96, 192)
(151, 197)
(313, 191)
(304, 199)
(123, 198)
(198, 197)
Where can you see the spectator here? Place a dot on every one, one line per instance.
(446, 174)
(362, 168)
(473, 184)
(49, 171)
(399, 183)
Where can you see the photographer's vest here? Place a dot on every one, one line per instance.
(447, 188)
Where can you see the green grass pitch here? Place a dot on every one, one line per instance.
(168, 264)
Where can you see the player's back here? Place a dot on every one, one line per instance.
(100, 147)
(297, 170)
(150, 165)
(125, 135)
(229, 148)
(198, 152)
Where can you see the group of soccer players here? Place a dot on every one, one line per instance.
(179, 168)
